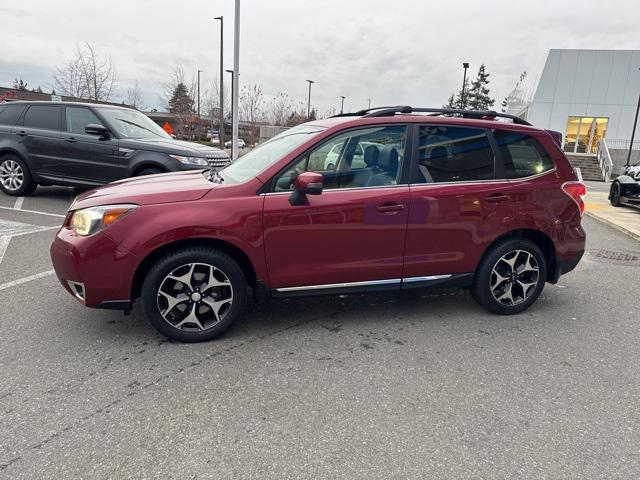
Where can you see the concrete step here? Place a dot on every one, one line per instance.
(588, 165)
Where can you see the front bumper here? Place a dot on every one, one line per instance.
(95, 270)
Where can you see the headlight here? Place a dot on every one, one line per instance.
(201, 162)
(91, 220)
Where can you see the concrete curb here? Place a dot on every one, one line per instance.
(614, 225)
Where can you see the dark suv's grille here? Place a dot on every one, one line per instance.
(218, 161)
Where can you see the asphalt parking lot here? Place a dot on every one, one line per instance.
(376, 386)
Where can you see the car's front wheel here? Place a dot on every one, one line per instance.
(194, 294)
(15, 178)
(510, 277)
(615, 194)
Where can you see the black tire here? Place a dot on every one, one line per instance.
(520, 299)
(615, 194)
(13, 163)
(182, 259)
(149, 171)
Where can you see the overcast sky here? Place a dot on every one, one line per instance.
(394, 52)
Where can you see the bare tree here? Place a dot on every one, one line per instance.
(251, 100)
(280, 109)
(134, 97)
(211, 101)
(176, 78)
(86, 75)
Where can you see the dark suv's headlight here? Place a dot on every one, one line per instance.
(197, 161)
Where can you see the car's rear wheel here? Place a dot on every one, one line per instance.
(615, 194)
(195, 294)
(15, 177)
(510, 277)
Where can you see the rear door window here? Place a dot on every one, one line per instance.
(46, 117)
(454, 154)
(523, 156)
(9, 114)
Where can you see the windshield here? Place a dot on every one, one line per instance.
(131, 123)
(258, 159)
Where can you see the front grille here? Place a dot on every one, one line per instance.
(218, 161)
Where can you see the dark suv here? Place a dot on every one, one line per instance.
(87, 145)
(459, 199)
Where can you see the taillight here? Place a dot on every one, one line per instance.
(577, 191)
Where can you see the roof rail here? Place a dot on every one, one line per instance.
(478, 114)
(361, 113)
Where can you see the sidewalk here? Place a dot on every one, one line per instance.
(624, 219)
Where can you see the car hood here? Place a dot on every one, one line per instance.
(169, 145)
(148, 190)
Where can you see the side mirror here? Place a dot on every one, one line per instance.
(95, 129)
(307, 183)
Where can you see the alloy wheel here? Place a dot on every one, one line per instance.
(11, 175)
(514, 277)
(195, 297)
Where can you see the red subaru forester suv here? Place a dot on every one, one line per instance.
(386, 199)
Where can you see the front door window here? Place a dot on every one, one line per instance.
(583, 134)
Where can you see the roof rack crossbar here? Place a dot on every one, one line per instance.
(478, 114)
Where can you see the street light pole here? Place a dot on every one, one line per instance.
(342, 106)
(309, 103)
(236, 75)
(230, 72)
(198, 130)
(463, 105)
(633, 133)
(221, 86)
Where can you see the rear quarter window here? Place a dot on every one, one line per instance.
(9, 114)
(523, 155)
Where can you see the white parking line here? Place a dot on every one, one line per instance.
(18, 204)
(30, 278)
(4, 244)
(34, 211)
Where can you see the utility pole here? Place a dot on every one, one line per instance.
(236, 75)
(369, 100)
(463, 105)
(633, 133)
(309, 103)
(342, 106)
(221, 85)
(199, 123)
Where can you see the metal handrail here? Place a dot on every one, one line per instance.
(604, 159)
(619, 144)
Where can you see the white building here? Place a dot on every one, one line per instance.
(588, 95)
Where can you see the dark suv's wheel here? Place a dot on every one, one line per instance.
(149, 171)
(15, 178)
(195, 294)
(510, 277)
(614, 194)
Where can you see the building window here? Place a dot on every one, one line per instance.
(583, 134)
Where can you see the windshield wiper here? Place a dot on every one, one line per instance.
(138, 126)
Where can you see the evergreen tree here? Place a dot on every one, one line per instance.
(460, 100)
(479, 98)
(181, 102)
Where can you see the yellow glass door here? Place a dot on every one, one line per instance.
(571, 135)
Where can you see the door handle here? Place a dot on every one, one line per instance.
(70, 139)
(21, 133)
(498, 198)
(390, 207)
